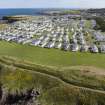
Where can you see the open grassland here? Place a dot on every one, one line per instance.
(61, 78)
(51, 57)
(71, 12)
(76, 85)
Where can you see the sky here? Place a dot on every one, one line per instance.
(52, 3)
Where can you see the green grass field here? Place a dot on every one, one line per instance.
(63, 78)
(51, 57)
(67, 86)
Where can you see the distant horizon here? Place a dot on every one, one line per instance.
(50, 8)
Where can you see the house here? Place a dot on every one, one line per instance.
(51, 44)
(66, 46)
(27, 41)
(102, 49)
(84, 48)
(74, 41)
(59, 39)
(44, 44)
(59, 45)
(36, 42)
(74, 47)
(94, 49)
(82, 42)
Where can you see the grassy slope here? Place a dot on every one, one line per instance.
(81, 75)
(64, 83)
(54, 89)
(51, 57)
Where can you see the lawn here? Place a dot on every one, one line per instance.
(51, 57)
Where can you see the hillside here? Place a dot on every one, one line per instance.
(51, 57)
(23, 82)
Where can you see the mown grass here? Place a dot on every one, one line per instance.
(51, 57)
